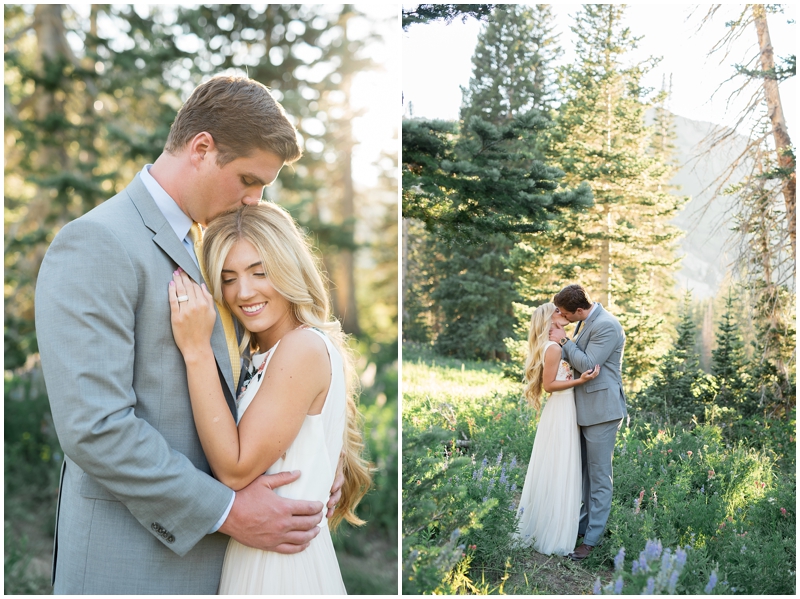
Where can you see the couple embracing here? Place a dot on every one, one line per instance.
(568, 486)
(188, 348)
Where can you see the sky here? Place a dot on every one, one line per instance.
(437, 59)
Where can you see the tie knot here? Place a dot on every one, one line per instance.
(196, 234)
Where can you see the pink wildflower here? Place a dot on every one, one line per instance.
(689, 453)
(783, 511)
(710, 474)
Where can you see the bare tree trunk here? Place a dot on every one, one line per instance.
(347, 288)
(783, 144)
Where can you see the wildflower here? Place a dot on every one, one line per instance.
(771, 499)
(652, 550)
(651, 586)
(680, 557)
(689, 453)
(618, 586)
(783, 512)
(454, 535)
(669, 451)
(596, 589)
(743, 549)
(485, 499)
(655, 499)
(514, 487)
(499, 457)
(619, 561)
(513, 462)
(712, 582)
(473, 547)
(521, 510)
(485, 462)
(673, 581)
(710, 474)
(503, 477)
(703, 489)
(474, 475)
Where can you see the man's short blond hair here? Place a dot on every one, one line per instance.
(241, 115)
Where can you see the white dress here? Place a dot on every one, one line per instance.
(549, 508)
(315, 452)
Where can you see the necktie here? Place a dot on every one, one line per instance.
(577, 330)
(196, 235)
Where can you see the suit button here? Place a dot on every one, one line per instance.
(170, 539)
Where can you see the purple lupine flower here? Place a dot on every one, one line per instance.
(680, 558)
(651, 586)
(635, 567)
(485, 499)
(513, 462)
(514, 488)
(618, 586)
(652, 550)
(485, 462)
(712, 582)
(499, 457)
(474, 475)
(673, 582)
(619, 561)
(503, 477)
(666, 559)
(596, 589)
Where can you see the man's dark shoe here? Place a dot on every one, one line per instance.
(581, 553)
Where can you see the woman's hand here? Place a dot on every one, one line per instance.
(589, 374)
(192, 313)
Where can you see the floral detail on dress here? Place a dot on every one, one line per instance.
(564, 371)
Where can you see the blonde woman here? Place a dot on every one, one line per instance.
(551, 496)
(297, 411)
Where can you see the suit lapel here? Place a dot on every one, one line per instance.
(165, 238)
(587, 324)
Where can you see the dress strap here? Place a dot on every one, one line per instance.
(329, 348)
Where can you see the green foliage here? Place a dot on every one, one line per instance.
(475, 294)
(714, 492)
(680, 390)
(427, 13)
(471, 183)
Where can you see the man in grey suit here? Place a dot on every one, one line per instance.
(138, 510)
(599, 404)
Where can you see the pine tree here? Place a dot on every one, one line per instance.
(601, 137)
(475, 183)
(680, 390)
(512, 66)
(475, 294)
(727, 358)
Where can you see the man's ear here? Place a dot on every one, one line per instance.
(200, 147)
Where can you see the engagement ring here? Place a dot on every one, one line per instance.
(183, 298)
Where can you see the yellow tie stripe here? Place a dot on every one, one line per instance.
(196, 235)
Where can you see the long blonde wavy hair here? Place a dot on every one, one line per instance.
(296, 274)
(538, 336)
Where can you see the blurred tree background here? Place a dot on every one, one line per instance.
(90, 93)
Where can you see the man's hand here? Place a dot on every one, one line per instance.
(260, 518)
(336, 489)
(557, 333)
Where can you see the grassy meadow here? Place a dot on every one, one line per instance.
(703, 509)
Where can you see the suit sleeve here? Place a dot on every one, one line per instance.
(603, 340)
(86, 305)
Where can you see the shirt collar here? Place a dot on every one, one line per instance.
(176, 217)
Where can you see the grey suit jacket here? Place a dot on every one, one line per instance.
(136, 499)
(600, 340)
